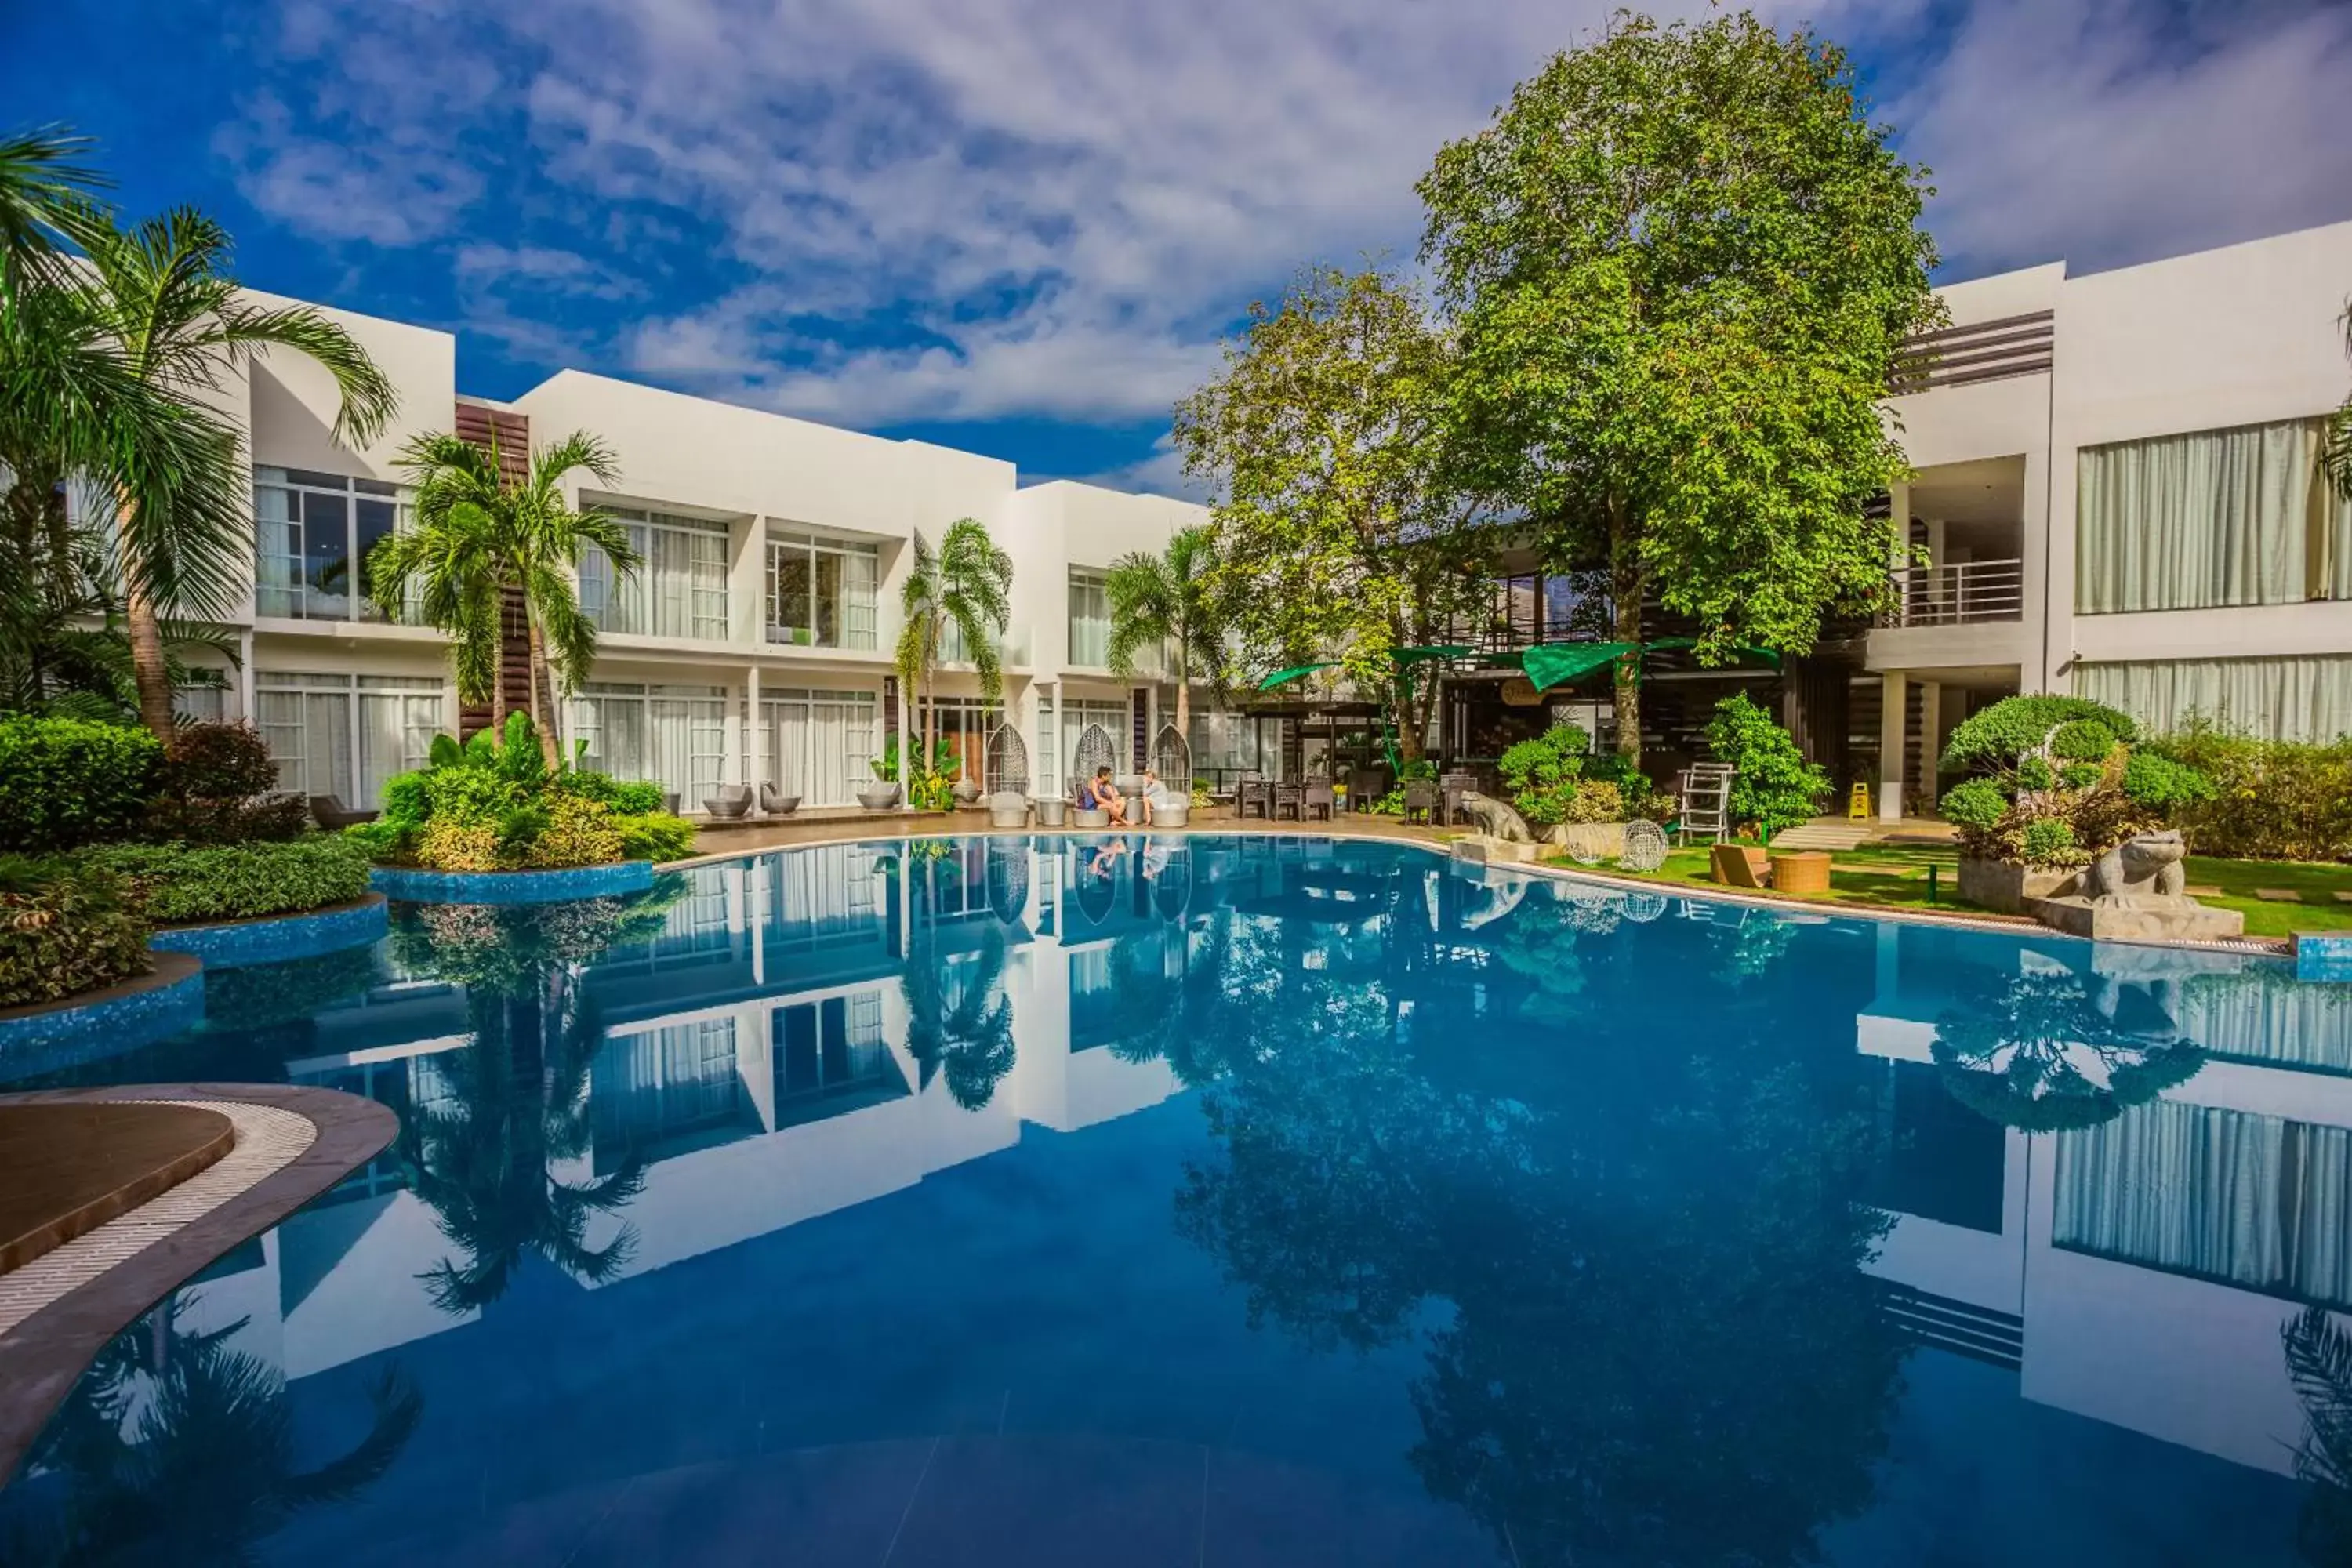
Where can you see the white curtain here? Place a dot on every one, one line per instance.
(2222, 1195)
(2294, 698)
(820, 743)
(2212, 517)
(2266, 1015)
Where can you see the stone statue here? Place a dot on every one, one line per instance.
(2144, 866)
(1498, 819)
(2137, 891)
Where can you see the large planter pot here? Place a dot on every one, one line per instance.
(1998, 886)
(878, 797)
(1049, 810)
(1173, 814)
(729, 804)
(966, 792)
(1008, 809)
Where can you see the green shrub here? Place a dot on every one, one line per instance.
(2162, 784)
(379, 840)
(654, 835)
(2033, 774)
(578, 831)
(68, 781)
(1595, 800)
(2273, 800)
(449, 845)
(2015, 726)
(2081, 775)
(1541, 773)
(407, 800)
(182, 884)
(632, 798)
(218, 784)
(1975, 802)
(1772, 785)
(2082, 740)
(2049, 841)
(66, 929)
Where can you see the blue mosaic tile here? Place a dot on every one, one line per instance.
(2324, 957)
(282, 938)
(59, 1036)
(412, 886)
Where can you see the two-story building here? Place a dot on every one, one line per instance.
(754, 645)
(2118, 490)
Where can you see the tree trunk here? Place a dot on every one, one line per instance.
(543, 723)
(1183, 701)
(148, 668)
(1625, 584)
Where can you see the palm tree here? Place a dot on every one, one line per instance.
(479, 538)
(2337, 454)
(161, 292)
(1163, 601)
(47, 197)
(968, 585)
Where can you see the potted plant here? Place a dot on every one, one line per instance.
(883, 793)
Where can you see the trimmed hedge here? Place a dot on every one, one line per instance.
(66, 929)
(184, 884)
(64, 782)
(2271, 800)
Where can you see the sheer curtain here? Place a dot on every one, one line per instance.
(2294, 698)
(2212, 517)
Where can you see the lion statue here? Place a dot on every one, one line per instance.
(2145, 866)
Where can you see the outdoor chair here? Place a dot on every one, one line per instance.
(1317, 797)
(1420, 797)
(1451, 789)
(330, 812)
(730, 805)
(1008, 808)
(774, 802)
(1289, 799)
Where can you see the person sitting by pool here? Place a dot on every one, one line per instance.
(1101, 795)
(1147, 794)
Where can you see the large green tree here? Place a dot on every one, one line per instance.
(1166, 601)
(964, 587)
(1682, 260)
(479, 538)
(1343, 534)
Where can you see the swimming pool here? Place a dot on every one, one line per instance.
(1246, 1199)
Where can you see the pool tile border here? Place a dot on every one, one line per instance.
(412, 884)
(123, 1268)
(167, 999)
(281, 939)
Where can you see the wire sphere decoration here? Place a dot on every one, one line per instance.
(1645, 845)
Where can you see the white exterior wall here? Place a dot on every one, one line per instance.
(2243, 335)
(760, 473)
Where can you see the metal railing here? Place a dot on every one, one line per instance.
(1960, 595)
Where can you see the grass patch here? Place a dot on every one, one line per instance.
(1895, 876)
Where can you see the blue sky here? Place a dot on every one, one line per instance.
(1023, 225)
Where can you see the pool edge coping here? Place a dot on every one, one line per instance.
(42, 1357)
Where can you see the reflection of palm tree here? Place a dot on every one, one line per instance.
(189, 1458)
(2043, 1055)
(958, 1020)
(517, 1095)
(2319, 1360)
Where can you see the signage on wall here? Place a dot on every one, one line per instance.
(1518, 691)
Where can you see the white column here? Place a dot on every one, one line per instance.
(754, 733)
(1890, 745)
(1898, 503)
(246, 710)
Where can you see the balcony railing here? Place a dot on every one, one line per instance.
(1960, 594)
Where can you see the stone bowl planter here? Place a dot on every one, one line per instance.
(1098, 816)
(878, 797)
(1996, 885)
(1173, 814)
(730, 805)
(1049, 810)
(775, 803)
(1008, 809)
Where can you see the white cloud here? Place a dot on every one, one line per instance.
(974, 209)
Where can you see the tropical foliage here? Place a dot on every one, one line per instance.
(65, 929)
(962, 591)
(1683, 261)
(1772, 785)
(480, 540)
(2057, 781)
(1546, 778)
(69, 781)
(189, 884)
(495, 805)
(2270, 799)
(1166, 603)
(1342, 535)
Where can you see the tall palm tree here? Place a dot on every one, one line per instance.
(161, 292)
(966, 584)
(477, 538)
(47, 197)
(1163, 601)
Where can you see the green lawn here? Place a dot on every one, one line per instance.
(1895, 876)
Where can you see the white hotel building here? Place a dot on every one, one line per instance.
(2116, 483)
(755, 644)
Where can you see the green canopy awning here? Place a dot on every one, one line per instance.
(1281, 677)
(1550, 664)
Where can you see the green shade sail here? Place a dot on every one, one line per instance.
(1547, 664)
(1282, 677)
(1403, 658)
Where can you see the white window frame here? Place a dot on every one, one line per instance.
(350, 490)
(858, 613)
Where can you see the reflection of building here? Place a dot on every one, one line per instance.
(2137, 1270)
(754, 1058)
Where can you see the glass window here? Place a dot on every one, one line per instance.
(821, 591)
(679, 592)
(818, 745)
(675, 736)
(344, 736)
(312, 532)
(1089, 620)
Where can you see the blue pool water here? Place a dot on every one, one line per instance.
(1245, 1200)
